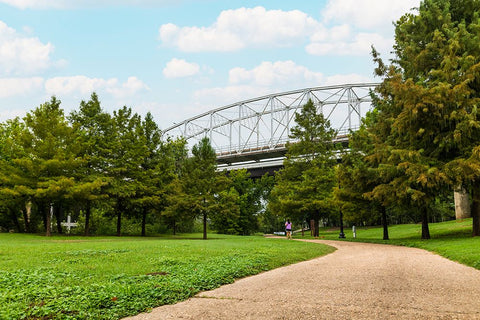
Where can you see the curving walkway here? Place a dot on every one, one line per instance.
(358, 281)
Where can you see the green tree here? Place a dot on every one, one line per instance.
(203, 187)
(249, 201)
(176, 209)
(358, 174)
(201, 180)
(124, 164)
(429, 100)
(49, 158)
(227, 218)
(268, 221)
(151, 177)
(13, 194)
(91, 126)
(244, 194)
(304, 186)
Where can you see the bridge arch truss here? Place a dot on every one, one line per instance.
(251, 129)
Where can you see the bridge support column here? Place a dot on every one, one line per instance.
(462, 203)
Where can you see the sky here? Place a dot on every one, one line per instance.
(179, 58)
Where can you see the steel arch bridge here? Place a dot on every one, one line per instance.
(258, 129)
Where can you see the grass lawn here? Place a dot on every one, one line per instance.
(110, 277)
(451, 239)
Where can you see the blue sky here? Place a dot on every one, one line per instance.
(179, 58)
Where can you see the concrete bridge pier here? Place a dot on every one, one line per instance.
(462, 203)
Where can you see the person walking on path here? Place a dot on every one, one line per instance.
(288, 229)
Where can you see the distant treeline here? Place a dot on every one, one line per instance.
(104, 168)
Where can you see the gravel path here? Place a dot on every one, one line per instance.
(357, 281)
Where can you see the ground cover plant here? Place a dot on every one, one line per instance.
(451, 239)
(110, 277)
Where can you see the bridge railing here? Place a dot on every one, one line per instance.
(262, 125)
(266, 146)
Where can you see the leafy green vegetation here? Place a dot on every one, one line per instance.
(99, 167)
(109, 278)
(451, 239)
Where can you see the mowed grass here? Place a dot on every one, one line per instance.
(451, 239)
(109, 277)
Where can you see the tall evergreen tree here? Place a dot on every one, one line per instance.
(429, 99)
(304, 186)
(14, 193)
(124, 164)
(91, 126)
(249, 201)
(358, 175)
(158, 170)
(176, 209)
(50, 157)
(203, 188)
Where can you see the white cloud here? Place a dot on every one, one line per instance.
(356, 25)
(179, 68)
(11, 114)
(127, 89)
(22, 55)
(358, 44)
(267, 78)
(367, 14)
(69, 4)
(63, 86)
(239, 28)
(10, 87)
(279, 73)
(68, 87)
(348, 27)
(77, 84)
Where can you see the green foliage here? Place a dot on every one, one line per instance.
(226, 219)
(303, 189)
(203, 192)
(247, 196)
(45, 160)
(110, 278)
(427, 106)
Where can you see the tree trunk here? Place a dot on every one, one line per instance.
(119, 218)
(144, 220)
(316, 222)
(88, 212)
(43, 212)
(384, 223)
(342, 234)
(476, 210)
(174, 227)
(462, 203)
(26, 216)
(15, 220)
(204, 226)
(58, 216)
(425, 230)
(48, 220)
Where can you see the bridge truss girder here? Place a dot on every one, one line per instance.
(262, 125)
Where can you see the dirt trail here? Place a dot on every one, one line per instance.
(358, 281)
